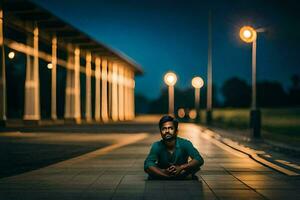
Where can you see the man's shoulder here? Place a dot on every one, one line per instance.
(184, 141)
(157, 144)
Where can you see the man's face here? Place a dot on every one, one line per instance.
(168, 131)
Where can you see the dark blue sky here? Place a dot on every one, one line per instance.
(172, 35)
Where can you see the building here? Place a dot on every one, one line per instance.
(52, 70)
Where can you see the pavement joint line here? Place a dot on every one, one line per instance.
(248, 152)
(209, 187)
(89, 185)
(116, 188)
(246, 184)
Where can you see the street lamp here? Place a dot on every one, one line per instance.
(197, 83)
(170, 79)
(249, 35)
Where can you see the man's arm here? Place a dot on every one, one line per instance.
(195, 155)
(193, 164)
(196, 162)
(153, 170)
(150, 164)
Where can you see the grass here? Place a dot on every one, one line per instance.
(281, 125)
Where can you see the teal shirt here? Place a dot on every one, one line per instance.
(159, 155)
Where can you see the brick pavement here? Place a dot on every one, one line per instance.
(116, 172)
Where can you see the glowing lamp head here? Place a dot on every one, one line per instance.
(248, 34)
(11, 55)
(197, 82)
(170, 79)
(181, 113)
(193, 114)
(49, 66)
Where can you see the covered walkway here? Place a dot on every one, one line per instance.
(52, 70)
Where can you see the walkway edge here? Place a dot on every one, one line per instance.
(248, 152)
(104, 150)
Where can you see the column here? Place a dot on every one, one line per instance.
(72, 102)
(131, 95)
(69, 99)
(2, 72)
(88, 95)
(126, 93)
(97, 89)
(77, 86)
(109, 82)
(53, 79)
(32, 94)
(121, 92)
(114, 114)
(104, 104)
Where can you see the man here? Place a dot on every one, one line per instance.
(168, 158)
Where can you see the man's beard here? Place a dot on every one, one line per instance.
(169, 138)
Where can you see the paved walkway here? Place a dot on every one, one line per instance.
(116, 172)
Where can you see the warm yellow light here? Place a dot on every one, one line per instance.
(197, 82)
(248, 34)
(193, 114)
(181, 113)
(170, 79)
(11, 55)
(49, 66)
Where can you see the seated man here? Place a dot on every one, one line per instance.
(168, 158)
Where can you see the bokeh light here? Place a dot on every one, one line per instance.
(197, 82)
(11, 55)
(49, 66)
(170, 78)
(181, 113)
(248, 34)
(193, 114)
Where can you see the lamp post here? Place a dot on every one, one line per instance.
(197, 83)
(170, 79)
(209, 73)
(249, 35)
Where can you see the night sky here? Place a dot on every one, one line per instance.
(172, 35)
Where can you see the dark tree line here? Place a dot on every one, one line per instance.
(236, 92)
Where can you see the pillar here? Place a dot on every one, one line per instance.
(32, 94)
(97, 89)
(72, 101)
(2, 72)
(121, 92)
(131, 95)
(104, 104)
(109, 83)
(53, 79)
(127, 94)
(88, 94)
(114, 114)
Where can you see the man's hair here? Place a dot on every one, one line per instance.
(168, 118)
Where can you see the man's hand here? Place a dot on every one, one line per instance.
(174, 170)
